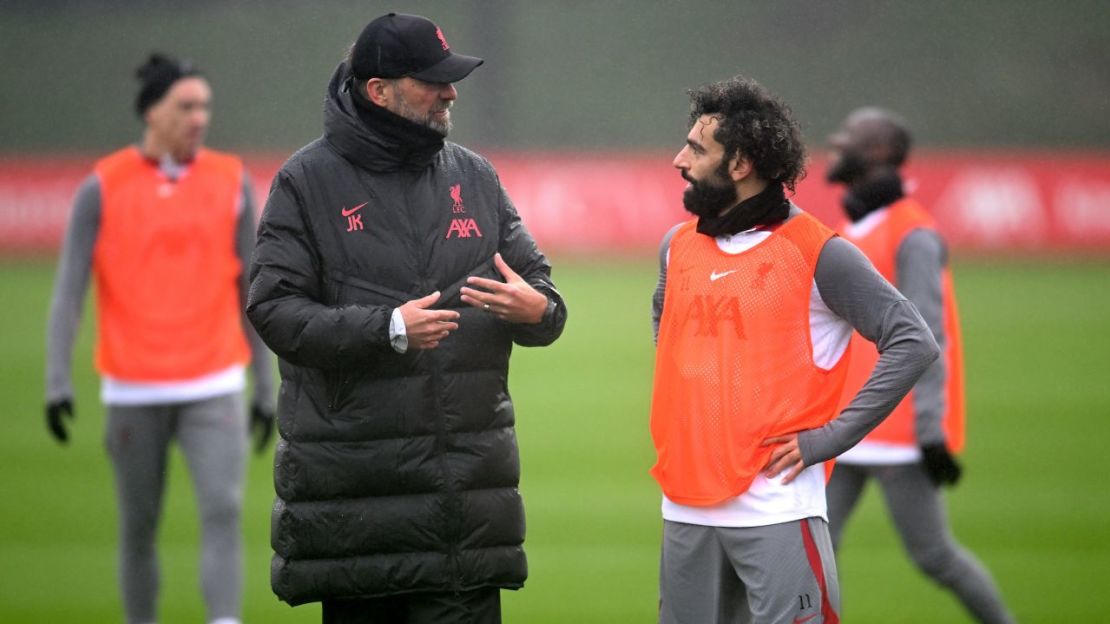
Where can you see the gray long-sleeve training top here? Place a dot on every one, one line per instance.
(919, 264)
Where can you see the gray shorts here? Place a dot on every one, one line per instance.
(779, 573)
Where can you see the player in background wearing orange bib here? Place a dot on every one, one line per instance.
(909, 454)
(754, 312)
(166, 228)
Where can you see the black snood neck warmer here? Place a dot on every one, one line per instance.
(767, 208)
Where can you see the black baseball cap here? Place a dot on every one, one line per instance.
(398, 45)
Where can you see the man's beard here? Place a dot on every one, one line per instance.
(707, 198)
(850, 168)
(442, 126)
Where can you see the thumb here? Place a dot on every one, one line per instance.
(504, 269)
(426, 301)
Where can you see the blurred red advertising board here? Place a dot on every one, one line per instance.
(625, 201)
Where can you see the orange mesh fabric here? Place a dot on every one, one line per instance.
(880, 245)
(734, 363)
(167, 270)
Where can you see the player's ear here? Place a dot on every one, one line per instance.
(379, 91)
(740, 167)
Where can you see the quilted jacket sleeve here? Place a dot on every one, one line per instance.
(286, 302)
(520, 252)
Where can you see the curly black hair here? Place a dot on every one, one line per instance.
(753, 122)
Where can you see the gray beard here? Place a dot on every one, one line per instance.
(429, 121)
(442, 127)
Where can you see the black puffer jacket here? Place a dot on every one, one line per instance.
(396, 472)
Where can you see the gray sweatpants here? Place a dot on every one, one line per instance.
(917, 508)
(212, 435)
(775, 574)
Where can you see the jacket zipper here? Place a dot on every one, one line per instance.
(452, 506)
(336, 392)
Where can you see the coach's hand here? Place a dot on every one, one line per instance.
(56, 413)
(262, 426)
(786, 455)
(425, 328)
(942, 468)
(513, 300)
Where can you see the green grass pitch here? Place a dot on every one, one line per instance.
(1034, 504)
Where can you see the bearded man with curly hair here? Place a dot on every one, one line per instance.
(753, 315)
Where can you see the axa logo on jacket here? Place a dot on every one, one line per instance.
(463, 227)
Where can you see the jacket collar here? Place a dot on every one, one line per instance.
(371, 137)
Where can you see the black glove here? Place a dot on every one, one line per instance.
(942, 468)
(56, 413)
(262, 426)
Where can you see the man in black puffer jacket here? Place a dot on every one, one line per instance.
(392, 275)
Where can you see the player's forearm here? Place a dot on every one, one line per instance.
(906, 349)
(920, 263)
(854, 290)
(70, 286)
(261, 363)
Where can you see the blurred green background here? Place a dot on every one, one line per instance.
(578, 75)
